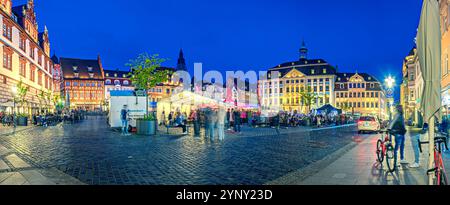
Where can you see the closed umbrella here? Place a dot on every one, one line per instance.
(429, 51)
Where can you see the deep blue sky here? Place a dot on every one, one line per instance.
(370, 36)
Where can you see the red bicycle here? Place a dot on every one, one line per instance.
(439, 169)
(385, 150)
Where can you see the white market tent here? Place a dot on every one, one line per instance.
(185, 102)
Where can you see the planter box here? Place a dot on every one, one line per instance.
(146, 127)
(22, 121)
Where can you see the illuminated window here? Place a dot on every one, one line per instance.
(7, 29)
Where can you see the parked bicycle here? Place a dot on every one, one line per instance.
(439, 169)
(386, 151)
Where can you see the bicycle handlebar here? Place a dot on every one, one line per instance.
(437, 140)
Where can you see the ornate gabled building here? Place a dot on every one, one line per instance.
(83, 85)
(283, 92)
(361, 94)
(25, 56)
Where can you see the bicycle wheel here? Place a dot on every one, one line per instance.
(380, 153)
(390, 158)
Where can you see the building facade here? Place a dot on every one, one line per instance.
(361, 94)
(117, 80)
(412, 87)
(83, 83)
(445, 29)
(285, 83)
(25, 58)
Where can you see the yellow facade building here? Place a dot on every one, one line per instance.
(361, 94)
(285, 83)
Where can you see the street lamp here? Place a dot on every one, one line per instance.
(390, 84)
(14, 93)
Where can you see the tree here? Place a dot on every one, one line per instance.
(145, 73)
(308, 97)
(21, 94)
(41, 98)
(345, 106)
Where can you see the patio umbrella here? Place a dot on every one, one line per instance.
(429, 51)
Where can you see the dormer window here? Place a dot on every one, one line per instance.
(124, 75)
(91, 75)
(90, 69)
(115, 75)
(313, 71)
(77, 75)
(324, 71)
(75, 68)
(107, 74)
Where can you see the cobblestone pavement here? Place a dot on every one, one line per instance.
(95, 154)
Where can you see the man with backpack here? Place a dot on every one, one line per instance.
(398, 130)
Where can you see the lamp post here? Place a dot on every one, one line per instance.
(390, 85)
(14, 93)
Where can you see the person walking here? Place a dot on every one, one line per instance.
(231, 119)
(398, 129)
(237, 121)
(276, 122)
(221, 118)
(124, 117)
(228, 115)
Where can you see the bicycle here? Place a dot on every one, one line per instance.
(439, 170)
(385, 150)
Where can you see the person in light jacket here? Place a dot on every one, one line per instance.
(221, 115)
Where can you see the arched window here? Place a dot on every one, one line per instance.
(126, 82)
(108, 82)
(117, 82)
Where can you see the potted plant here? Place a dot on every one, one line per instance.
(146, 74)
(146, 125)
(22, 120)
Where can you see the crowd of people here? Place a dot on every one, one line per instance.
(217, 120)
(294, 119)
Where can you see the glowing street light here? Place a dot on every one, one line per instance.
(390, 82)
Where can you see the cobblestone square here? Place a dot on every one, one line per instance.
(97, 155)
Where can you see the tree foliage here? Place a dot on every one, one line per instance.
(308, 97)
(22, 90)
(145, 72)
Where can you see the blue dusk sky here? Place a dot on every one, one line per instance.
(365, 35)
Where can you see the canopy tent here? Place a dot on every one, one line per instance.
(185, 102)
(329, 109)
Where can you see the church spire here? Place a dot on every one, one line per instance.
(303, 51)
(181, 65)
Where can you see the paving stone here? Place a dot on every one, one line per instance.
(3, 166)
(14, 179)
(3, 150)
(33, 177)
(16, 161)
